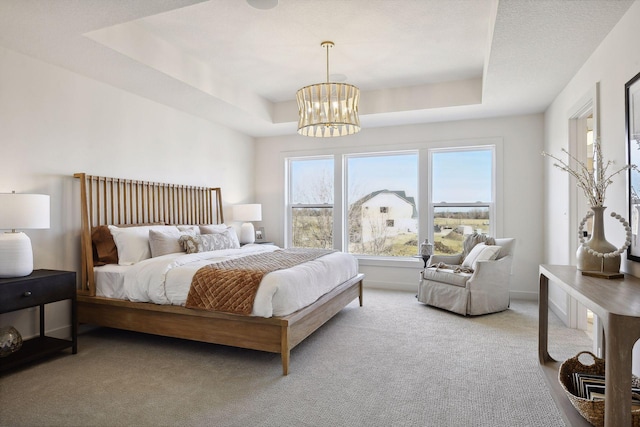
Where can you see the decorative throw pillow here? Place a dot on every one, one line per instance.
(166, 242)
(473, 239)
(218, 241)
(103, 245)
(210, 242)
(470, 259)
(489, 252)
(230, 232)
(133, 242)
(234, 242)
(191, 243)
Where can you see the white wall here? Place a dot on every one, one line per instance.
(615, 62)
(54, 123)
(520, 166)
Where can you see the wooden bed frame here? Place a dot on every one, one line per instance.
(121, 201)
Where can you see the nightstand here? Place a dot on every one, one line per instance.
(38, 289)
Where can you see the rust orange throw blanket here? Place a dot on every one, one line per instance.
(231, 285)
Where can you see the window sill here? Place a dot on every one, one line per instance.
(396, 262)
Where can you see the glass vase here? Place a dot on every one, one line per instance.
(10, 340)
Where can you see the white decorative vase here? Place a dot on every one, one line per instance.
(597, 242)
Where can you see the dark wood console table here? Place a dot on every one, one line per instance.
(616, 302)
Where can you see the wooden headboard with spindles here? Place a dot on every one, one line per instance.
(117, 201)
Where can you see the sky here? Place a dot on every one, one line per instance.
(460, 176)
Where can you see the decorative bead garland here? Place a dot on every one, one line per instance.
(613, 254)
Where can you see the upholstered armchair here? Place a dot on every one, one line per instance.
(473, 282)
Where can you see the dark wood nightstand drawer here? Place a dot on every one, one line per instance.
(41, 287)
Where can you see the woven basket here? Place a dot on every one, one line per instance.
(592, 411)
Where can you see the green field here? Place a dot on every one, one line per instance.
(447, 237)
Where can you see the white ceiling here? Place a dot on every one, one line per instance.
(414, 61)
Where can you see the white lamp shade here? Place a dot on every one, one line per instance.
(248, 212)
(24, 211)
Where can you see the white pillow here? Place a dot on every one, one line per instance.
(470, 259)
(166, 242)
(133, 242)
(213, 228)
(194, 228)
(489, 252)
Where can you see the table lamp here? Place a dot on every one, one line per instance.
(20, 211)
(247, 213)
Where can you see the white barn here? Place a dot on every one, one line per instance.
(385, 213)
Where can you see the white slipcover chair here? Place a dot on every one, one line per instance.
(484, 290)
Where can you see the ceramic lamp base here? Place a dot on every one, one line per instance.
(247, 233)
(16, 255)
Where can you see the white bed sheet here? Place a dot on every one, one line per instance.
(167, 279)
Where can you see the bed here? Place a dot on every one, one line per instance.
(129, 203)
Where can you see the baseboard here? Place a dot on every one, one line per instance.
(63, 332)
(406, 287)
(524, 295)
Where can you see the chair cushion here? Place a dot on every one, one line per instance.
(446, 275)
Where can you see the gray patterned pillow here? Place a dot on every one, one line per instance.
(210, 242)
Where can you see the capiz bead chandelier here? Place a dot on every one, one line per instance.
(328, 109)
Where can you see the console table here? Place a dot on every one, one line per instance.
(616, 302)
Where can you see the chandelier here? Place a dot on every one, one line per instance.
(328, 109)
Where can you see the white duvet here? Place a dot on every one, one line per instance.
(167, 279)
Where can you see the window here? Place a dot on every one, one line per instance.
(461, 196)
(311, 202)
(375, 211)
(381, 196)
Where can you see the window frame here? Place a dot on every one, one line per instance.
(289, 207)
(339, 153)
(345, 191)
(431, 205)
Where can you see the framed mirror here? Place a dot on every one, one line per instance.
(632, 127)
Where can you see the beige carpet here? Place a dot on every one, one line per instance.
(393, 362)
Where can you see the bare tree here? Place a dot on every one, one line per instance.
(313, 226)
